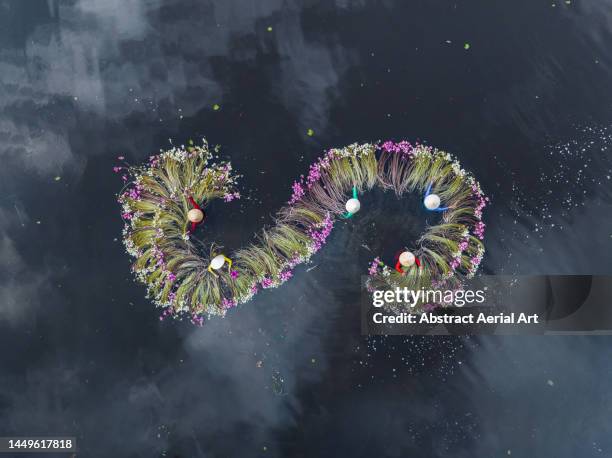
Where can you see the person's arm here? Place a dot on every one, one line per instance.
(194, 203)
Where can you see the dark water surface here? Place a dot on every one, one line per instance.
(527, 107)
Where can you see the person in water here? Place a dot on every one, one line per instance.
(352, 205)
(218, 262)
(432, 201)
(196, 215)
(404, 260)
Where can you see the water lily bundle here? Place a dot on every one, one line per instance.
(448, 252)
(177, 272)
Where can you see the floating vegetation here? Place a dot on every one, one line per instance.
(164, 200)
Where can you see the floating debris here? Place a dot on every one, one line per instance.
(278, 384)
(22, 221)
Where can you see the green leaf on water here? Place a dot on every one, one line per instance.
(466, 46)
(216, 107)
(310, 132)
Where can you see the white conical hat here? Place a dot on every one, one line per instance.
(353, 205)
(431, 202)
(217, 262)
(407, 259)
(195, 215)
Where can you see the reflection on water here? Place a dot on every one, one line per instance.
(526, 107)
